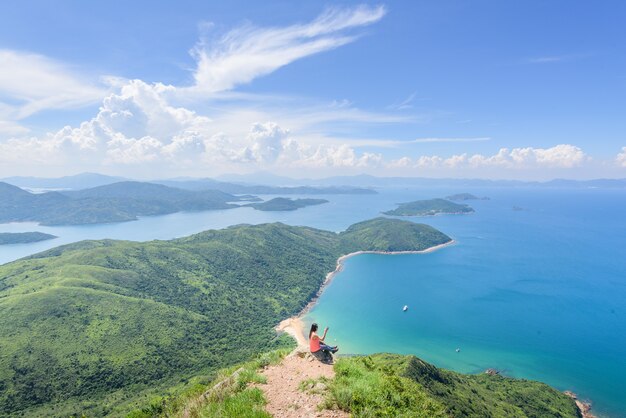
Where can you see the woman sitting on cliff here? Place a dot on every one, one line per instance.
(316, 343)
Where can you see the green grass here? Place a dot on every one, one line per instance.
(388, 385)
(99, 326)
(229, 395)
(373, 387)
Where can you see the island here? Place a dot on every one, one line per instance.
(117, 202)
(429, 207)
(23, 237)
(285, 204)
(465, 196)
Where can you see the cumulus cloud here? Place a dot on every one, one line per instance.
(621, 158)
(138, 126)
(248, 52)
(559, 156)
(34, 82)
(266, 142)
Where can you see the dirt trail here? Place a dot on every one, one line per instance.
(284, 397)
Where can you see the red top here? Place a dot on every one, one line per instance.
(314, 343)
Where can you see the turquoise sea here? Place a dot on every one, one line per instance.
(538, 293)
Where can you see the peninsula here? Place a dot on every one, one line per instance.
(429, 207)
(106, 322)
(23, 237)
(286, 204)
(99, 327)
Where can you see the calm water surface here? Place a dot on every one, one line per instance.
(538, 293)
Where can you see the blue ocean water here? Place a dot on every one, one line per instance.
(539, 292)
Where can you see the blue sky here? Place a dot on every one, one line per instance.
(528, 90)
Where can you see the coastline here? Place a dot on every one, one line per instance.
(294, 325)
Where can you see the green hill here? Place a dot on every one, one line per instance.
(429, 207)
(23, 237)
(379, 385)
(389, 385)
(283, 204)
(89, 326)
(118, 202)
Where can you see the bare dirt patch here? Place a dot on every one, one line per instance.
(282, 390)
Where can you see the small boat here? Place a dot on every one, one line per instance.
(458, 350)
(406, 308)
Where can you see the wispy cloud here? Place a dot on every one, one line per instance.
(9, 128)
(30, 83)
(248, 52)
(404, 104)
(552, 59)
(395, 143)
(433, 140)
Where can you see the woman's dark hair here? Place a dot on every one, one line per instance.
(313, 329)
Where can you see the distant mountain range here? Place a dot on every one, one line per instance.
(76, 182)
(372, 181)
(91, 180)
(240, 188)
(267, 183)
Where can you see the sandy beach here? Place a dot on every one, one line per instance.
(294, 326)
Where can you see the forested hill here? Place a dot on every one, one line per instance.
(117, 202)
(23, 237)
(88, 326)
(285, 204)
(429, 207)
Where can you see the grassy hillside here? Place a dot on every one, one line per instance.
(23, 237)
(85, 320)
(118, 202)
(429, 207)
(388, 385)
(283, 204)
(380, 385)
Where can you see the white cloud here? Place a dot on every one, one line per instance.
(548, 59)
(34, 82)
(248, 52)
(266, 142)
(561, 156)
(138, 126)
(621, 158)
(407, 103)
(10, 129)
